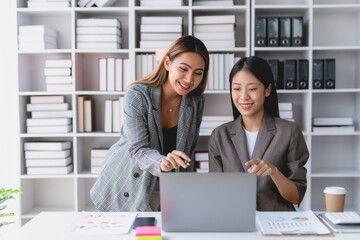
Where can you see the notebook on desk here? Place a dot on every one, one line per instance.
(208, 202)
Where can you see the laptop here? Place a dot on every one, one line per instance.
(208, 202)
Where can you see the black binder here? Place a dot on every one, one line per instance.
(303, 73)
(290, 74)
(275, 67)
(260, 32)
(329, 73)
(318, 73)
(297, 31)
(272, 31)
(285, 31)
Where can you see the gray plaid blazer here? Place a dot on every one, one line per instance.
(131, 166)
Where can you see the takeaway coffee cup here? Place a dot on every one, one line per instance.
(335, 199)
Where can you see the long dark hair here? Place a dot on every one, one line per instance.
(181, 45)
(262, 71)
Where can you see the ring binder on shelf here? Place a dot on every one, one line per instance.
(318, 73)
(290, 74)
(260, 32)
(285, 31)
(273, 31)
(303, 74)
(297, 31)
(275, 67)
(329, 73)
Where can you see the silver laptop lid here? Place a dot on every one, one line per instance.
(208, 202)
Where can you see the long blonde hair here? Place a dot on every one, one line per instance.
(183, 44)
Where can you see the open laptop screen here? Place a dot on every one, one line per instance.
(208, 202)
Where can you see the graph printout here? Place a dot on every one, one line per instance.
(279, 223)
(103, 223)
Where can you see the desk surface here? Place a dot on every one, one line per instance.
(55, 226)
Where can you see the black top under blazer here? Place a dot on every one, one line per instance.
(279, 142)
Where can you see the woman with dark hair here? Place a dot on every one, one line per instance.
(162, 116)
(258, 141)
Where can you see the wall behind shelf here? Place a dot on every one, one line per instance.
(9, 127)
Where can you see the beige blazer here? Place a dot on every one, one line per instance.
(279, 142)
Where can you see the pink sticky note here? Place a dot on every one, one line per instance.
(148, 231)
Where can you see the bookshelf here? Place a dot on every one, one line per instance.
(321, 29)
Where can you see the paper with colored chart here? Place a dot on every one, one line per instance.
(103, 223)
(280, 223)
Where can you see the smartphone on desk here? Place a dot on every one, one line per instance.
(143, 221)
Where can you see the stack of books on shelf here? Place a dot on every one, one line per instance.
(97, 159)
(216, 31)
(113, 115)
(209, 123)
(49, 114)
(49, 3)
(145, 64)
(213, 3)
(98, 3)
(58, 75)
(286, 110)
(48, 157)
(85, 114)
(114, 74)
(202, 161)
(333, 125)
(159, 32)
(37, 37)
(161, 3)
(219, 70)
(98, 33)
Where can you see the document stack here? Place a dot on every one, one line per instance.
(159, 32)
(213, 3)
(98, 3)
(49, 114)
(202, 161)
(113, 115)
(286, 110)
(49, 3)
(209, 123)
(148, 233)
(216, 31)
(37, 37)
(85, 114)
(97, 33)
(161, 3)
(58, 75)
(333, 125)
(48, 157)
(145, 64)
(114, 74)
(97, 159)
(219, 70)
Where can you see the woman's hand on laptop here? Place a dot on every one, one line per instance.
(174, 160)
(261, 167)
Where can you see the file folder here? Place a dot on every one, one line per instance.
(275, 68)
(297, 31)
(303, 73)
(285, 31)
(260, 32)
(290, 74)
(273, 31)
(329, 73)
(318, 73)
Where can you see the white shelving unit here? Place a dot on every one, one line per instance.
(325, 37)
(71, 192)
(331, 30)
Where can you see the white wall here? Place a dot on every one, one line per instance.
(9, 141)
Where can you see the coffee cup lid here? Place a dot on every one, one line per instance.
(335, 190)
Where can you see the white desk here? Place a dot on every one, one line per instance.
(55, 226)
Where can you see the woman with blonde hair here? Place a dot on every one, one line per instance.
(162, 116)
